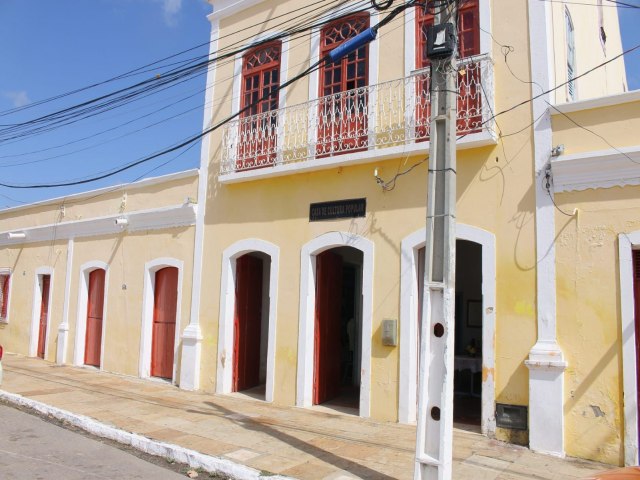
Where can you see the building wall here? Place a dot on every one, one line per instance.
(589, 219)
(123, 251)
(608, 80)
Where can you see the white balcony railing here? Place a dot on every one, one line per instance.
(378, 116)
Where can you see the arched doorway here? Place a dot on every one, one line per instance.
(475, 325)
(338, 328)
(247, 326)
(95, 313)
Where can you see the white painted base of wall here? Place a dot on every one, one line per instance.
(546, 394)
(190, 361)
(167, 450)
(63, 340)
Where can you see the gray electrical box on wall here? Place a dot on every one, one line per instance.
(390, 333)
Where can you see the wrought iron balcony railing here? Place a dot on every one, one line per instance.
(393, 113)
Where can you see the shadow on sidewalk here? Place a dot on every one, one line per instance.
(329, 457)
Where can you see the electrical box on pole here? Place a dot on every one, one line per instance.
(434, 438)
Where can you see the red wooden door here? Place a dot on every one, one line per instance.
(247, 323)
(44, 313)
(259, 124)
(469, 86)
(327, 339)
(165, 303)
(344, 103)
(95, 306)
(4, 295)
(636, 291)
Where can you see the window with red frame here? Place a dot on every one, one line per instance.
(469, 87)
(4, 295)
(342, 124)
(258, 124)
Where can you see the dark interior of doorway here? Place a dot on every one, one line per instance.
(347, 346)
(467, 377)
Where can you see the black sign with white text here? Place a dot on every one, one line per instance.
(352, 208)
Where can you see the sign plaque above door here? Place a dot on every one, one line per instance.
(351, 208)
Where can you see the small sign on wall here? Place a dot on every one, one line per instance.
(351, 208)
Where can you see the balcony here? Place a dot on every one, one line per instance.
(377, 121)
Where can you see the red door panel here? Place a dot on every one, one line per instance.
(344, 98)
(259, 124)
(636, 291)
(469, 86)
(164, 322)
(247, 323)
(327, 339)
(95, 307)
(44, 312)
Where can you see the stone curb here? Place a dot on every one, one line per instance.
(153, 447)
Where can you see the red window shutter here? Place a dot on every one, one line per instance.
(4, 295)
(261, 76)
(468, 32)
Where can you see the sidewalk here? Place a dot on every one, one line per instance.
(308, 445)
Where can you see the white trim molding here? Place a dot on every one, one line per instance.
(63, 329)
(546, 362)
(626, 244)
(140, 220)
(81, 315)
(226, 8)
(35, 312)
(148, 295)
(597, 169)
(226, 332)
(409, 316)
(600, 102)
(192, 335)
(304, 388)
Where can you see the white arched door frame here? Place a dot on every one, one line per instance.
(224, 375)
(148, 295)
(81, 316)
(409, 314)
(304, 391)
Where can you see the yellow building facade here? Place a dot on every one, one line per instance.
(299, 245)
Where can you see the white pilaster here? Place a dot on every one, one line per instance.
(546, 363)
(192, 334)
(63, 329)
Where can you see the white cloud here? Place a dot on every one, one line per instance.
(171, 9)
(18, 98)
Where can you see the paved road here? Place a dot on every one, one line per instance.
(31, 448)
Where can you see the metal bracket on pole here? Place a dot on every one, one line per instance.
(434, 438)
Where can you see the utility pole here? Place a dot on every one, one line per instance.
(434, 438)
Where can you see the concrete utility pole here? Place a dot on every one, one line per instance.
(435, 389)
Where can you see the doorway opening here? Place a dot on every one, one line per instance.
(165, 304)
(44, 283)
(95, 312)
(338, 329)
(251, 324)
(467, 377)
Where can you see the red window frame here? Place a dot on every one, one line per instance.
(469, 95)
(259, 127)
(342, 125)
(5, 285)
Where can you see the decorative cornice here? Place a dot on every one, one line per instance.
(597, 169)
(600, 102)
(147, 182)
(226, 8)
(154, 219)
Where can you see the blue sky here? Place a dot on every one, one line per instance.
(52, 47)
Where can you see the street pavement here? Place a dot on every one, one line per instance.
(33, 448)
(307, 444)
